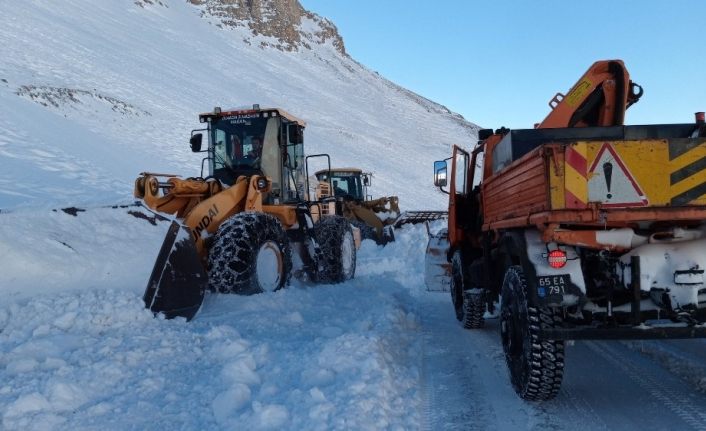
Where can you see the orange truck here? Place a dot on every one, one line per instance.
(579, 228)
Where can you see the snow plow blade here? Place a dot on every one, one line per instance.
(414, 217)
(437, 270)
(178, 282)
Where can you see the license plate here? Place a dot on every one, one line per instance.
(689, 277)
(552, 284)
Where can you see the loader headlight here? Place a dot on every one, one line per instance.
(261, 184)
(154, 186)
(140, 187)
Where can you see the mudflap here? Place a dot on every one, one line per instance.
(437, 269)
(178, 282)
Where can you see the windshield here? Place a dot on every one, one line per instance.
(345, 184)
(238, 143)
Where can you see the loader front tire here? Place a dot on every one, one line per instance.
(337, 252)
(250, 254)
(536, 365)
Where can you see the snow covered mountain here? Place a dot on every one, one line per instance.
(92, 93)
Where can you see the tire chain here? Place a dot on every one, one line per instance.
(232, 257)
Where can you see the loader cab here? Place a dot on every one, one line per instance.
(258, 141)
(347, 183)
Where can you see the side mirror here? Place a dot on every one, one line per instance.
(440, 173)
(366, 180)
(296, 134)
(195, 142)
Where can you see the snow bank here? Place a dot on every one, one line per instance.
(81, 352)
(77, 249)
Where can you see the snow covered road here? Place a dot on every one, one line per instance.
(645, 385)
(78, 351)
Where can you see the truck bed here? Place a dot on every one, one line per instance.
(596, 176)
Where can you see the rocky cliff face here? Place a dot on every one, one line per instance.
(286, 22)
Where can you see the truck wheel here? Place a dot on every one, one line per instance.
(250, 254)
(469, 306)
(337, 253)
(473, 310)
(536, 365)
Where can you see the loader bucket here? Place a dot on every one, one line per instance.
(414, 217)
(178, 282)
(437, 269)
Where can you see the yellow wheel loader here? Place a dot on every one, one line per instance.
(376, 218)
(248, 225)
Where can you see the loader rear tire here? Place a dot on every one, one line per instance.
(468, 299)
(337, 253)
(536, 365)
(250, 254)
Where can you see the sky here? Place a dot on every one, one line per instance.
(499, 63)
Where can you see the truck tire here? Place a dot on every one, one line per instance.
(250, 254)
(457, 281)
(469, 306)
(474, 309)
(337, 253)
(536, 365)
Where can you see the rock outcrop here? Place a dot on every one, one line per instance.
(286, 22)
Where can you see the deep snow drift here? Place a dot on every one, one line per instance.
(81, 352)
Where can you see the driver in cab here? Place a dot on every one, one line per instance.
(256, 150)
(245, 154)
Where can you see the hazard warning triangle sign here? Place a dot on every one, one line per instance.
(611, 183)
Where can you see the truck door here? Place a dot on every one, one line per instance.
(458, 195)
